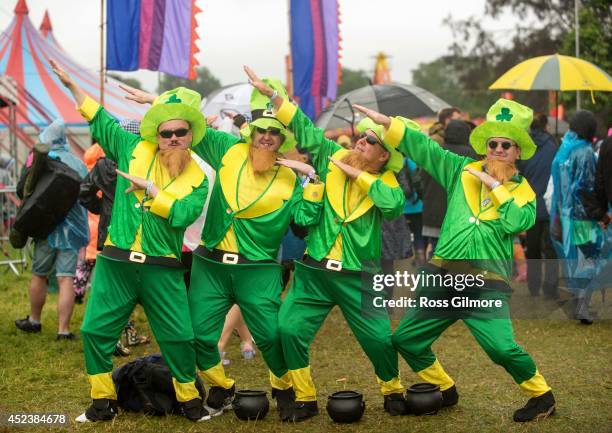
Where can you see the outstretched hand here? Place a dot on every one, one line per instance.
(137, 95)
(137, 183)
(62, 75)
(256, 82)
(485, 178)
(350, 171)
(299, 166)
(377, 117)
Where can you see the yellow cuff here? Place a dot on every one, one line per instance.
(88, 108)
(365, 180)
(185, 391)
(435, 374)
(102, 386)
(303, 385)
(282, 383)
(215, 376)
(314, 192)
(162, 203)
(286, 112)
(393, 136)
(500, 195)
(393, 386)
(536, 386)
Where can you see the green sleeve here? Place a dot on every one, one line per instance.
(214, 145)
(307, 203)
(309, 138)
(186, 210)
(388, 199)
(444, 166)
(515, 219)
(113, 139)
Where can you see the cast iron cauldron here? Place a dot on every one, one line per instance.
(424, 399)
(250, 405)
(345, 406)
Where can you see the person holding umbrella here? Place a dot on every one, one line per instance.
(489, 203)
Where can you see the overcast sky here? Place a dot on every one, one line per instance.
(256, 33)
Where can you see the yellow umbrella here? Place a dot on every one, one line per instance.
(554, 72)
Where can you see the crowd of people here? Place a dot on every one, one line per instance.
(172, 193)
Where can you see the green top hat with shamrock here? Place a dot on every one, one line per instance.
(263, 117)
(506, 119)
(396, 160)
(176, 104)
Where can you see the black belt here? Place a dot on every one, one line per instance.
(328, 265)
(138, 257)
(227, 257)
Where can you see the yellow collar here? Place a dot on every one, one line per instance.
(521, 192)
(273, 199)
(334, 189)
(142, 157)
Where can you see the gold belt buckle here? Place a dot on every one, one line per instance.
(137, 257)
(333, 265)
(230, 258)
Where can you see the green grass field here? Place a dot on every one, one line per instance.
(41, 375)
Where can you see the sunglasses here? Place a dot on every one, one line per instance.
(370, 139)
(272, 131)
(168, 133)
(504, 144)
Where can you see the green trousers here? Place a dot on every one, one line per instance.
(116, 288)
(492, 329)
(255, 288)
(313, 294)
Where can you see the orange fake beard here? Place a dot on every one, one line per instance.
(175, 160)
(501, 170)
(356, 160)
(262, 160)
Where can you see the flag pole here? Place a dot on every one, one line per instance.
(102, 52)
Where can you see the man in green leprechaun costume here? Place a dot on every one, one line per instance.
(164, 193)
(255, 197)
(360, 190)
(488, 204)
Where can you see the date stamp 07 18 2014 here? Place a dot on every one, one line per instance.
(33, 419)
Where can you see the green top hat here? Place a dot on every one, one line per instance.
(396, 160)
(507, 119)
(263, 117)
(180, 103)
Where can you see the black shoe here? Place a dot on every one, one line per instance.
(536, 408)
(395, 404)
(586, 321)
(27, 326)
(69, 336)
(219, 399)
(101, 409)
(302, 410)
(285, 401)
(450, 397)
(194, 411)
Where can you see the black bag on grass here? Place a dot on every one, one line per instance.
(145, 385)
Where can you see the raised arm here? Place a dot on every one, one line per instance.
(104, 128)
(214, 144)
(444, 166)
(310, 138)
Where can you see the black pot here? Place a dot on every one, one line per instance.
(424, 399)
(250, 405)
(345, 406)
